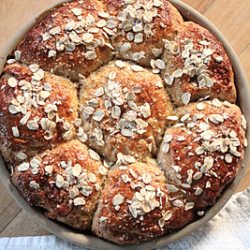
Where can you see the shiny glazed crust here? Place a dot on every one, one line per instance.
(203, 151)
(92, 153)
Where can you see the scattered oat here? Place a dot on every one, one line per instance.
(98, 115)
(76, 11)
(77, 169)
(118, 199)
(23, 167)
(34, 184)
(137, 68)
(59, 181)
(79, 201)
(12, 82)
(186, 98)
(120, 64)
(15, 132)
(94, 155)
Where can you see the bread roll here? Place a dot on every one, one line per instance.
(38, 109)
(203, 152)
(142, 27)
(67, 42)
(197, 67)
(135, 206)
(124, 109)
(65, 182)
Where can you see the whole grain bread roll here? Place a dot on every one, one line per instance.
(67, 41)
(197, 67)
(65, 182)
(135, 205)
(203, 151)
(38, 109)
(142, 27)
(124, 109)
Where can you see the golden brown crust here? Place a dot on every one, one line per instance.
(197, 67)
(142, 26)
(133, 204)
(64, 181)
(142, 105)
(121, 110)
(203, 152)
(26, 122)
(57, 43)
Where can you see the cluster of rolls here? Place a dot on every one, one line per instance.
(119, 117)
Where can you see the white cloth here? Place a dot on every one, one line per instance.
(229, 230)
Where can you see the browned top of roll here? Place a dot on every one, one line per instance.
(67, 42)
(203, 152)
(197, 67)
(124, 109)
(65, 181)
(135, 206)
(37, 108)
(142, 26)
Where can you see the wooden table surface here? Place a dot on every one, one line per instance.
(232, 17)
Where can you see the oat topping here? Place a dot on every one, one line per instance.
(12, 82)
(120, 64)
(118, 200)
(74, 179)
(173, 118)
(79, 201)
(17, 55)
(172, 188)
(178, 203)
(34, 95)
(80, 30)
(49, 169)
(124, 159)
(186, 97)
(94, 155)
(147, 197)
(195, 60)
(189, 205)
(34, 184)
(143, 202)
(23, 167)
(137, 68)
(15, 132)
(120, 106)
(21, 155)
(135, 20)
(216, 143)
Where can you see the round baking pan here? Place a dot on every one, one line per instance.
(89, 241)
